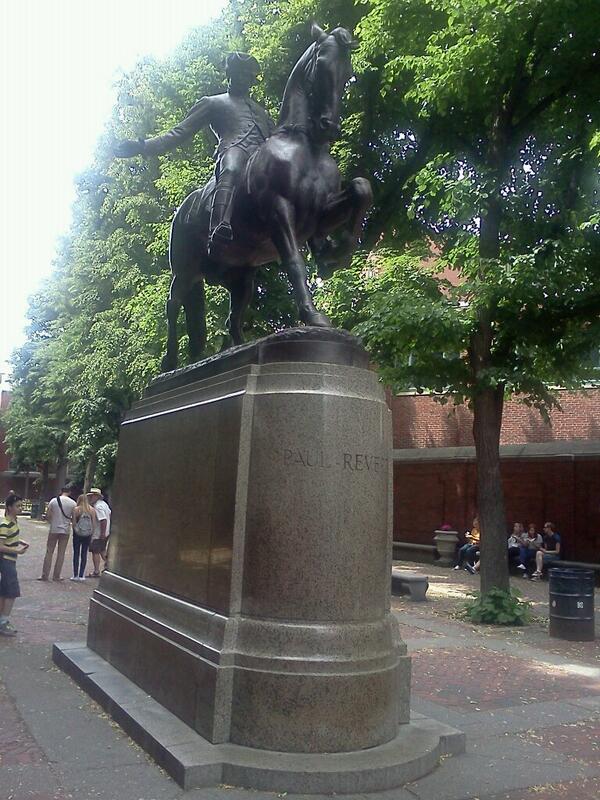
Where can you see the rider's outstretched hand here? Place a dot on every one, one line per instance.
(128, 148)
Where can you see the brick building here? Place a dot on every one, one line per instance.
(550, 471)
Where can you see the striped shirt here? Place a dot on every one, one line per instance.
(9, 536)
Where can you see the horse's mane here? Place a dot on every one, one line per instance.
(295, 107)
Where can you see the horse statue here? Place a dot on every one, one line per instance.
(290, 195)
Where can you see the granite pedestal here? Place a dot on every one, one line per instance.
(248, 591)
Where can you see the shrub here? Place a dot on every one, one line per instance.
(497, 607)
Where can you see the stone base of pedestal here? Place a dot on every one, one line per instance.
(194, 762)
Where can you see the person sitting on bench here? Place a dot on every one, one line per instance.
(549, 552)
(515, 542)
(469, 550)
(532, 541)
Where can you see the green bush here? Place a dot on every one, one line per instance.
(497, 607)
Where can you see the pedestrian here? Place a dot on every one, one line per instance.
(11, 546)
(59, 514)
(85, 522)
(99, 543)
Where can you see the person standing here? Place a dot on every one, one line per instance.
(101, 535)
(59, 514)
(84, 523)
(11, 546)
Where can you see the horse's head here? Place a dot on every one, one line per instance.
(330, 70)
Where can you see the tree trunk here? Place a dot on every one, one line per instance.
(61, 471)
(90, 471)
(44, 486)
(488, 400)
(45, 479)
(487, 420)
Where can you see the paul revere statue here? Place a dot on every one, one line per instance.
(275, 190)
(240, 126)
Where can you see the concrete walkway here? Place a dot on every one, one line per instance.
(530, 705)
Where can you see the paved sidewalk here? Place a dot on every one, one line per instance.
(530, 705)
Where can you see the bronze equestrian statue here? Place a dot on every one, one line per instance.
(273, 191)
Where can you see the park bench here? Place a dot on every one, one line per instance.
(410, 583)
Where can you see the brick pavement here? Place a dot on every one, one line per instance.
(586, 789)
(484, 679)
(17, 745)
(530, 705)
(577, 740)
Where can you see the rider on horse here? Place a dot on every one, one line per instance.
(240, 126)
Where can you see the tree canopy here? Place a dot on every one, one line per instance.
(500, 291)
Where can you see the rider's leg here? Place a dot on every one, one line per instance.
(230, 168)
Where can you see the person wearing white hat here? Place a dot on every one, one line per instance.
(99, 542)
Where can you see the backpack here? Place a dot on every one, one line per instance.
(84, 525)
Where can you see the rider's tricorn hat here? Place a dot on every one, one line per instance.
(244, 61)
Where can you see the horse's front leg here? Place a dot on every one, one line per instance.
(345, 210)
(284, 239)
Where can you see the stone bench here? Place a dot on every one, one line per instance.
(409, 551)
(410, 583)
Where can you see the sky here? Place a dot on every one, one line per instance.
(60, 61)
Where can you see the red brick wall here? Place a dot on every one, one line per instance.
(420, 421)
(566, 492)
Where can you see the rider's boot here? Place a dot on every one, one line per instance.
(220, 217)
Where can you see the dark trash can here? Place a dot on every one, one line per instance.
(572, 604)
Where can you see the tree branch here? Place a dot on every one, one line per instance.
(552, 97)
(390, 199)
(518, 86)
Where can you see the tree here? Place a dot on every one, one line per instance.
(500, 105)
(35, 424)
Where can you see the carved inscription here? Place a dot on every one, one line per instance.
(348, 462)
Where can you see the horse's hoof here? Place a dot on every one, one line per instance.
(317, 320)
